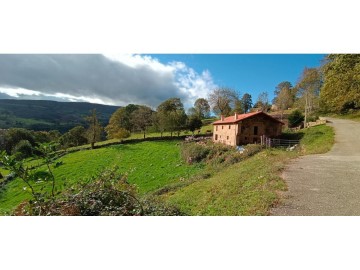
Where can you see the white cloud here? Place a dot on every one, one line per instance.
(105, 79)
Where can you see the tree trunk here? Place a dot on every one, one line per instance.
(144, 134)
(306, 105)
(92, 145)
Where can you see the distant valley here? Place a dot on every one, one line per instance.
(49, 115)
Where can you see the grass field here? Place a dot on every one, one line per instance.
(149, 165)
(250, 187)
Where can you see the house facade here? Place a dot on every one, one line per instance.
(245, 128)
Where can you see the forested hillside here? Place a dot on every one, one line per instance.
(49, 115)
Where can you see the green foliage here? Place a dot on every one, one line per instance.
(284, 95)
(171, 116)
(74, 137)
(194, 123)
(340, 91)
(108, 195)
(193, 152)
(23, 150)
(14, 135)
(142, 118)
(295, 118)
(121, 121)
(246, 101)
(202, 108)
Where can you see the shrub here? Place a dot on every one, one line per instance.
(193, 152)
(108, 195)
(295, 118)
(23, 149)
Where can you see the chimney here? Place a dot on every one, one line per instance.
(235, 116)
(221, 117)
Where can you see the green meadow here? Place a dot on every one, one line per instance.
(149, 165)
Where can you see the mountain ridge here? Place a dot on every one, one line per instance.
(49, 115)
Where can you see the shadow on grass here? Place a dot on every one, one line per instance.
(292, 135)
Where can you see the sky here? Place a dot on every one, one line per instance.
(146, 79)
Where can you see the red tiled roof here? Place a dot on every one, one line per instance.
(231, 119)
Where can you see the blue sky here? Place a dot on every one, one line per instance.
(252, 73)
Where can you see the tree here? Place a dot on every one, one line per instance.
(14, 135)
(285, 95)
(309, 90)
(340, 91)
(238, 107)
(120, 124)
(194, 123)
(202, 108)
(171, 116)
(223, 100)
(142, 118)
(262, 102)
(74, 137)
(246, 101)
(94, 130)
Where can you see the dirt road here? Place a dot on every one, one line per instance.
(327, 184)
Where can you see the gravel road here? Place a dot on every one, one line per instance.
(326, 184)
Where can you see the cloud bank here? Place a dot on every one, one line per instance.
(106, 79)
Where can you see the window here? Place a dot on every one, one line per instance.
(216, 128)
(229, 126)
(227, 137)
(216, 137)
(222, 127)
(255, 130)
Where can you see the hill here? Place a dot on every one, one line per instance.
(49, 115)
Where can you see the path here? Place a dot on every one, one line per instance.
(326, 184)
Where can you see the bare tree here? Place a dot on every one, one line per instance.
(309, 90)
(222, 100)
(95, 128)
(263, 101)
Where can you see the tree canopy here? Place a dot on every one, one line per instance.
(246, 101)
(202, 108)
(340, 91)
(171, 116)
(222, 100)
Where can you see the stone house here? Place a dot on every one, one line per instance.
(245, 128)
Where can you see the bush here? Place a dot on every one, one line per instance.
(295, 118)
(22, 150)
(108, 195)
(193, 152)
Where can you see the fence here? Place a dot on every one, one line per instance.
(269, 142)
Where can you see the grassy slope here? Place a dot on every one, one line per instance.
(150, 165)
(351, 116)
(246, 188)
(249, 187)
